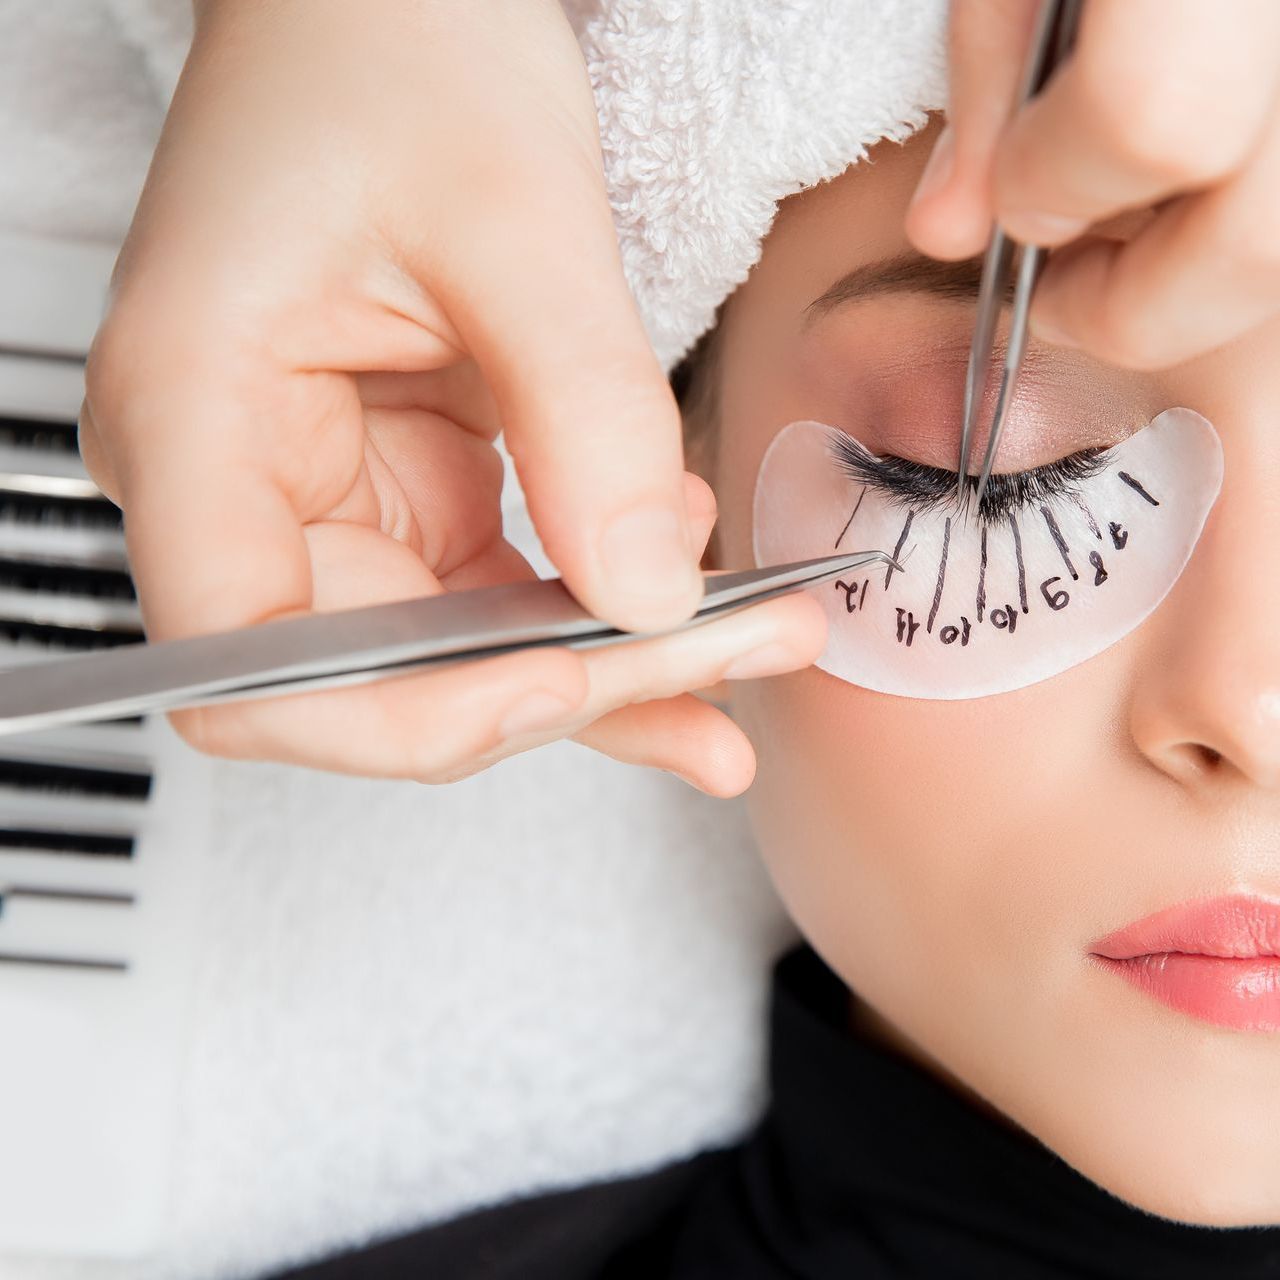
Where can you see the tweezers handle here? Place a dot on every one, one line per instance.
(348, 647)
(285, 655)
(1051, 42)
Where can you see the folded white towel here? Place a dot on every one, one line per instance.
(410, 1000)
(710, 113)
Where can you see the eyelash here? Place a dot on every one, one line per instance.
(913, 484)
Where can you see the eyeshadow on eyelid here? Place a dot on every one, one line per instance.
(900, 387)
(1030, 438)
(984, 606)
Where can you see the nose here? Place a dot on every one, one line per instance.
(1206, 705)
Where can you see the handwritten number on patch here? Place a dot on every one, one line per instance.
(854, 595)
(1056, 600)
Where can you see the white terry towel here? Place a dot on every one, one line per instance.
(412, 1000)
(710, 113)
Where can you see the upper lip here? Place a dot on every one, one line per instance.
(1237, 926)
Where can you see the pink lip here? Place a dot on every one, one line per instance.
(1217, 959)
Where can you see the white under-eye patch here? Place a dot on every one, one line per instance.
(1077, 556)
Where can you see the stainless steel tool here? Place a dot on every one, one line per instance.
(1050, 43)
(353, 646)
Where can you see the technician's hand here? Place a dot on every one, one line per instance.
(372, 236)
(1167, 107)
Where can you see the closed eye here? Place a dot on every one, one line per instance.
(914, 484)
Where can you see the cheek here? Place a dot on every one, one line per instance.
(868, 820)
(985, 609)
(916, 878)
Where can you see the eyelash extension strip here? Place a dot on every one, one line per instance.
(1059, 541)
(942, 576)
(902, 538)
(981, 601)
(1022, 567)
(849, 521)
(929, 488)
(1088, 515)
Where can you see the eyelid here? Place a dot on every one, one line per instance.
(1071, 460)
(896, 380)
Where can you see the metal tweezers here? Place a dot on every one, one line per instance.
(354, 646)
(1051, 41)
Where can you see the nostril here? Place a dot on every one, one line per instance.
(1198, 760)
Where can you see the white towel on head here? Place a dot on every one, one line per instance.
(710, 113)
(552, 971)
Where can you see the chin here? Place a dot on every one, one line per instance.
(1195, 1177)
(1197, 1205)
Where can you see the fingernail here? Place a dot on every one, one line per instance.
(942, 162)
(644, 553)
(770, 659)
(1032, 227)
(540, 709)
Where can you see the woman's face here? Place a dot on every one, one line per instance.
(954, 861)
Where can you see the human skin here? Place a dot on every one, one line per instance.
(373, 236)
(1158, 105)
(953, 861)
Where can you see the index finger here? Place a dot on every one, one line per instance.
(1150, 103)
(542, 304)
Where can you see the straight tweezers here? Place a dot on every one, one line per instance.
(353, 646)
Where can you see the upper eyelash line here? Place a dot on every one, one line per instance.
(915, 484)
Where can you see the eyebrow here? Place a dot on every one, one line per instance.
(904, 273)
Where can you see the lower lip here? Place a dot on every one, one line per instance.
(1243, 994)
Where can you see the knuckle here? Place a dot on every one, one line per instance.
(622, 675)
(93, 457)
(702, 664)
(440, 762)
(663, 670)
(113, 355)
(1126, 334)
(449, 742)
(426, 752)
(1147, 130)
(1154, 147)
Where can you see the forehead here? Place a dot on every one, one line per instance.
(859, 214)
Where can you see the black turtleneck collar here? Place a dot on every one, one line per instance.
(867, 1166)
